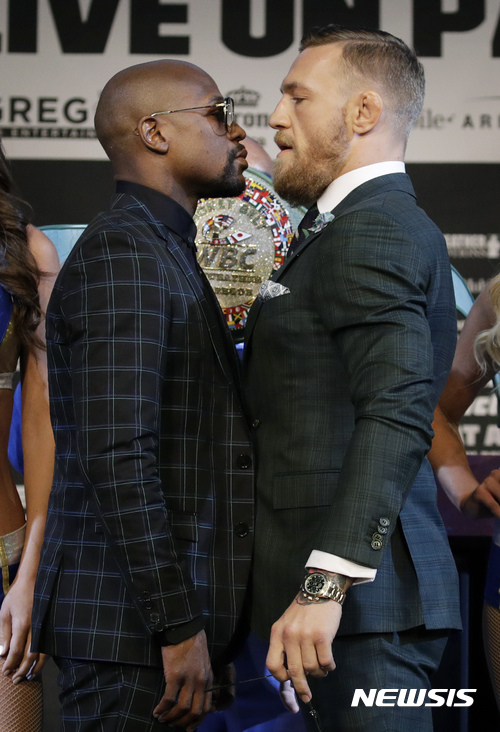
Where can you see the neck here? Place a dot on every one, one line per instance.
(367, 150)
(164, 184)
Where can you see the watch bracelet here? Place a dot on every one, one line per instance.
(337, 596)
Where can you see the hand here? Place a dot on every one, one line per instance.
(301, 643)
(188, 673)
(15, 634)
(485, 499)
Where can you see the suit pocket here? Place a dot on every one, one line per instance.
(184, 525)
(278, 304)
(306, 489)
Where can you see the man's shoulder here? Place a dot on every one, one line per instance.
(127, 220)
(118, 231)
(380, 192)
(381, 185)
(123, 212)
(391, 199)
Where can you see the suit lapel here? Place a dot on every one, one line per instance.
(374, 186)
(215, 325)
(210, 311)
(276, 275)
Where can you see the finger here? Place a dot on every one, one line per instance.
(40, 663)
(196, 713)
(168, 700)
(480, 504)
(181, 706)
(325, 655)
(288, 697)
(25, 667)
(490, 503)
(189, 710)
(5, 635)
(492, 484)
(488, 493)
(310, 661)
(296, 671)
(207, 707)
(276, 661)
(14, 657)
(24, 659)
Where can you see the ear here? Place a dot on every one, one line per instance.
(152, 134)
(366, 111)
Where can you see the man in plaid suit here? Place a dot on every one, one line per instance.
(148, 541)
(348, 349)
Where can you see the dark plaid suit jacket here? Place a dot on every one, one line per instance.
(150, 523)
(343, 374)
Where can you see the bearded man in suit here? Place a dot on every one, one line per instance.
(347, 350)
(148, 542)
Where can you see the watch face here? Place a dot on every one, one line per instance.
(314, 583)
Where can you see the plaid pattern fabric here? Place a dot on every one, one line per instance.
(361, 346)
(109, 697)
(150, 523)
(410, 658)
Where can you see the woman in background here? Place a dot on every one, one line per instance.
(28, 266)
(477, 359)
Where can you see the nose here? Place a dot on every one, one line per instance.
(235, 132)
(279, 118)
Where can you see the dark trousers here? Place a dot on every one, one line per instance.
(393, 661)
(109, 697)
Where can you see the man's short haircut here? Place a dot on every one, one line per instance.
(380, 57)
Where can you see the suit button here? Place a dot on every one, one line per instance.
(244, 461)
(376, 545)
(376, 537)
(155, 617)
(384, 521)
(241, 529)
(382, 529)
(256, 423)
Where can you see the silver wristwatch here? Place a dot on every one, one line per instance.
(318, 586)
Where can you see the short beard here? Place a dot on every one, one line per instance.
(300, 184)
(231, 183)
(302, 180)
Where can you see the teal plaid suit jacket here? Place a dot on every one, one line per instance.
(150, 523)
(343, 374)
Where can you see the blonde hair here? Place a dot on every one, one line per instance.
(487, 343)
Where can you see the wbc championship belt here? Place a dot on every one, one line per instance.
(240, 241)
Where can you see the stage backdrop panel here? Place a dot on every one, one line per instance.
(56, 55)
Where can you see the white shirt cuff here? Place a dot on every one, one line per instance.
(332, 563)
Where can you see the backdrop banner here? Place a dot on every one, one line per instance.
(56, 55)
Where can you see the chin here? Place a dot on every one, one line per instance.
(301, 184)
(291, 188)
(224, 188)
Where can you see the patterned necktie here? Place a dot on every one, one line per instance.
(312, 222)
